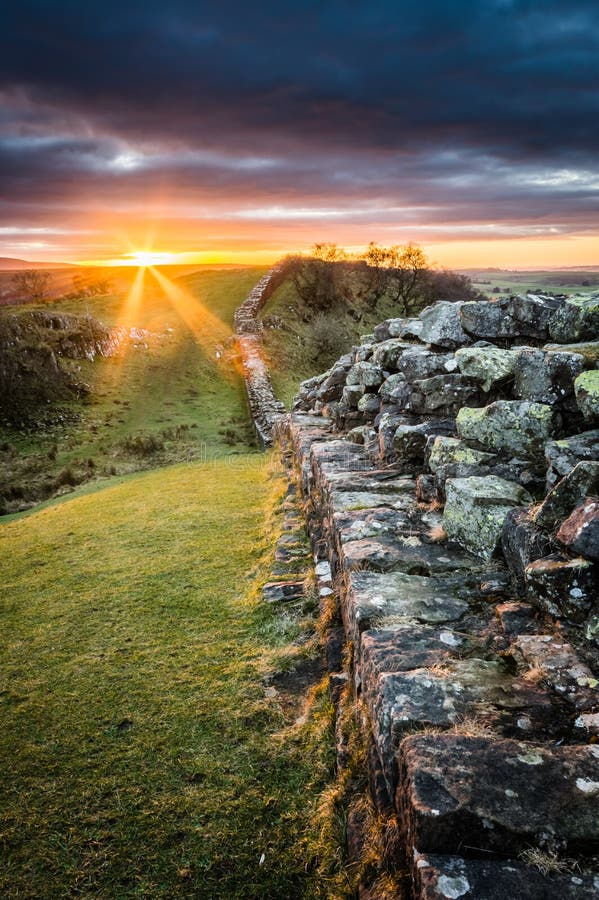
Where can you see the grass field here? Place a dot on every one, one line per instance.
(140, 755)
(171, 402)
(564, 281)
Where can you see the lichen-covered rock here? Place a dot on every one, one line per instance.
(589, 350)
(563, 455)
(443, 394)
(418, 362)
(395, 389)
(369, 404)
(560, 666)
(447, 450)
(580, 532)
(365, 375)
(386, 353)
(533, 312)
(510, 426)
(441, 325)
(581, 482)
(398, 328)
(476, 509)
(450, 877)
(491, 319)
(586, 387)
(546, 377)
(562, 586)
(576, 320)
(522, 541)
(497, 795)
(410, 440)
(486, 365)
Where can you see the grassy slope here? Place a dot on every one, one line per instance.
(177, 381)
(140, 757)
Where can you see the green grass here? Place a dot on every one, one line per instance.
(140, 755)
(177, 392)
(565, 281)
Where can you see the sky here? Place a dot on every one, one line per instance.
(237, 131)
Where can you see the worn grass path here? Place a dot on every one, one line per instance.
(139, 755)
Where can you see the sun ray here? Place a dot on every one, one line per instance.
(128, 318)
(210, 332)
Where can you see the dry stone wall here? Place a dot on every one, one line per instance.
(450, 472)
(263, 404)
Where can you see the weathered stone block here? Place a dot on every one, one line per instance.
(443, 394)
(586, 388)
(369, 405)
(510, 426)
(558, 665)
(418, 362)
(580, 532)
(448, 450)
(388, 352)
(410, 440)
(562, 586)
(383, 600)
(395, 389)
(447, 877)
(491, 320)
(476, 508)
(282, 591)
(581, 482)
(441, 325)
(576, 320)
(486, 365)
(546, 377)
(563, 455)
(536, 796)
(522, 541)
(366, 375)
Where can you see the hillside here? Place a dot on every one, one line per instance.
(165, 398)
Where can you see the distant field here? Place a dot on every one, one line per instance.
(170, 402)
(564, 281)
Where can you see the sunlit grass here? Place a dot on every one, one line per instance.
(140, 756)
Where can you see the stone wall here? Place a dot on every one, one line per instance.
(450, 472)
(263, 404)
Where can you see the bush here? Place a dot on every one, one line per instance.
(328, 338)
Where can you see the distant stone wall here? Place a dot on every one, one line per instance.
(264, 406)
(450, 473)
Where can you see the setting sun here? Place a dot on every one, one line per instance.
(148, 258)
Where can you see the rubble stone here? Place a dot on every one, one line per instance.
(486, 365)
(580, 532)
(586, 387)
(441, 325)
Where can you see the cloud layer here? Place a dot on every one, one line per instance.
(230, 125)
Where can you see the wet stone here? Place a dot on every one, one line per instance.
(439, 877)
(563, 586)
(580, 531)
(538, 796)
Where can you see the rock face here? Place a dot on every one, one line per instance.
(459, 524)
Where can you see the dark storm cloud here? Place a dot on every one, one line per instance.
(467, 110)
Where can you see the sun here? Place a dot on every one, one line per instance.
(148, 258)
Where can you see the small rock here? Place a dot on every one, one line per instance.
(282, 591)
(580, 532)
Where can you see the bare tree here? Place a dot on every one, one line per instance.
(31, 283)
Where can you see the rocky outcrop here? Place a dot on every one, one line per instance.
(454, 502)
(264, 407)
